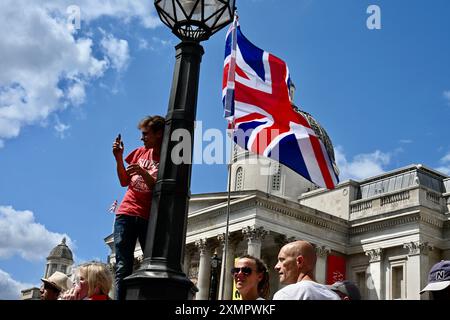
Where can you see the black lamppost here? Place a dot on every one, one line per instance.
(160, 275)
(214, 281)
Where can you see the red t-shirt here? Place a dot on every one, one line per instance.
(138, 198)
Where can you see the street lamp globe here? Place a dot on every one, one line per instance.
(195, 20)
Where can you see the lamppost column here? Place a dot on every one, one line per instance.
(161, 275)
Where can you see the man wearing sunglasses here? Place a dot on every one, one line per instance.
(295, 267)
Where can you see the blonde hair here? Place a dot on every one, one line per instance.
(98, 276)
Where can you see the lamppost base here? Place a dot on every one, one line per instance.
(158, 282)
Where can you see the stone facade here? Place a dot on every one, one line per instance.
(390, 228)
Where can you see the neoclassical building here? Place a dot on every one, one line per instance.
(388, 229)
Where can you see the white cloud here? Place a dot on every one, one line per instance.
(61, 128)
(21, 235)
(362, 165)
(76, 93)
(117, 52)
(143, 44)
(10, 289)
(447, 96)
(405, 141)
(125, 10)
(44, 67)
(445, 161)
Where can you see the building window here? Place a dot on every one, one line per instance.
(53, 267)
(64, 269)
(239, 179)
(397, 282)
(276, 179)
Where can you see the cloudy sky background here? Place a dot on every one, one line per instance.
(382, 95)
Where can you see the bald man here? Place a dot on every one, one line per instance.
(295, 267)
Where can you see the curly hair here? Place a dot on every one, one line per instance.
(155, 123)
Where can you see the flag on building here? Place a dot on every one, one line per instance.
(113, 207)
(255, 95)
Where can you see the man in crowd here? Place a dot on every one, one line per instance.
(134, 211)
(295, 267)
(346, 290)
(439, 281)
(55, 284)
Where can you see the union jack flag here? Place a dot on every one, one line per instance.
(113, 207)
(255, 95)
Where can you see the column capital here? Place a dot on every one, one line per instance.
(374, 254)
(202, 245)
(233, 238)
(254, 233)
(322, 251)
(417, 247)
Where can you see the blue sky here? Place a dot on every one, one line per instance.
(382, 95)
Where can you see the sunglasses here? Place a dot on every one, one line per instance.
(245, 270)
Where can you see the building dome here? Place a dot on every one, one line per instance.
(317, 128)
(321, 134)
(61, 251)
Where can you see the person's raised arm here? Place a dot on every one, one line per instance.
(118, 147)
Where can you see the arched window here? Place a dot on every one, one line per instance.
(239, 182)
(276, 179)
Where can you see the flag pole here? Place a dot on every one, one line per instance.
(227, 225)
(231, 78)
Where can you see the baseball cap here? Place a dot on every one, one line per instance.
(346, 287)
(439, 277)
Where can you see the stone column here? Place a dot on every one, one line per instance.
(321, 264)
(204, 269)
(227, 281)
(254, 237)
(417, 268)
(375, 280)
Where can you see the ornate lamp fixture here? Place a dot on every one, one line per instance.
(195, 20)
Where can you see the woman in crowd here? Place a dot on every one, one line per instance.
(94, 283)
(251, 278)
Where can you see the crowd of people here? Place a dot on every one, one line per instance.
(296, 260)
(90, 281)
(295, 267)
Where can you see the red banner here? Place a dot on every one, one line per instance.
(335, 269)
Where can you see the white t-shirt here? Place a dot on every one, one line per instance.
(305, 290)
